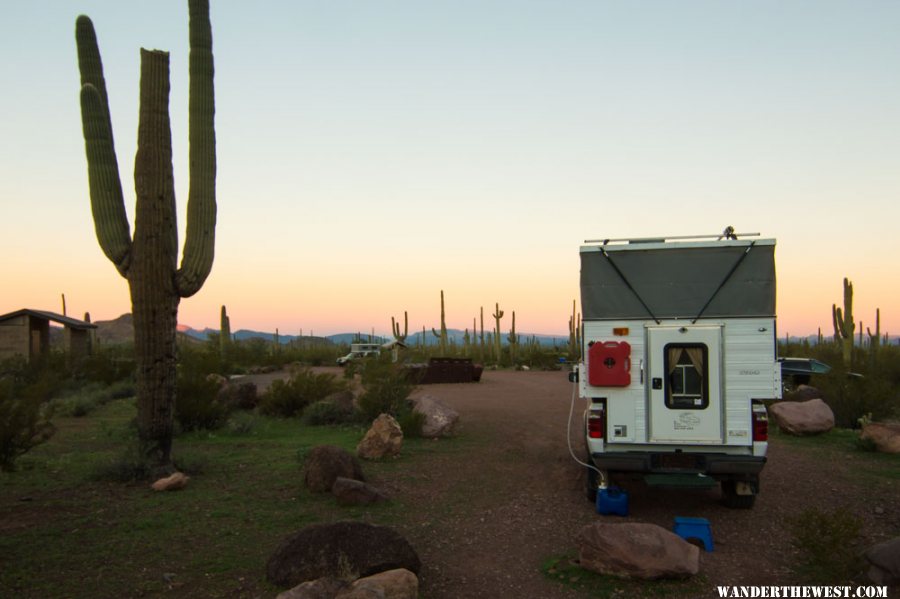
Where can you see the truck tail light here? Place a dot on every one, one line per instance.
(760, 426)
(596, 424)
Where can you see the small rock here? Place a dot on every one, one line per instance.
(383, 439)
(353, 492)
(879, 510)
(174, 482)
(325, 464)
(321, 588)
(440, 419)
(392, 584)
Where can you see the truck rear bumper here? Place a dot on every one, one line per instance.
(705, 463)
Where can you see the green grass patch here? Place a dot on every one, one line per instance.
(62, 527)
(566, 571)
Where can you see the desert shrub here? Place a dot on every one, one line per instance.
(88, 398)
(24, 423)
(870, 385)
(386, 386)
(108, 364)
(327, 412)
(130, 465)
(196, 404)
(239, 395)
(289, 398)
(410, 422)
(125, 467)
(827, 545)
(852, 397)
(242, 423)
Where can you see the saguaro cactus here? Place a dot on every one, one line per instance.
(498, 314)
(148, 259)
(482, 334)
(224, 330)
(875, 338)
(513, 339)
(843, 323)
(395, 327)
(443, 334)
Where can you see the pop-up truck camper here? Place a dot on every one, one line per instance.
(679, 353)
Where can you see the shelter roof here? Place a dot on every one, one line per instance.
(73, 323)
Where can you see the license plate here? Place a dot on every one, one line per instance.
(679, 461)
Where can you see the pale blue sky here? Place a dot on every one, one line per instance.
(373, 153)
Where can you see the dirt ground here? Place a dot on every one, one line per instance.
(506, 496)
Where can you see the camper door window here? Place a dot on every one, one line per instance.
(687, 387)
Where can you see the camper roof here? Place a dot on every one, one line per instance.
(689, 277)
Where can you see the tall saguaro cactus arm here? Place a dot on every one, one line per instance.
(107, 201)
(199, 244)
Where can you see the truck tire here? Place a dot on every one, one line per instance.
(731, 498)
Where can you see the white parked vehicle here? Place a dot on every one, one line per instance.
(679, 352)
(358, 351)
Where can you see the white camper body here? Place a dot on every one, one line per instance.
(679, 350)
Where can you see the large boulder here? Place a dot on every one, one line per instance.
(353, 492)
(636, 550)
(440, 419)
(345, 550)
(393, 584)
(884, 435)
(884, 562)
(383, 439)
(321, 588)
(325, 464)
(811, 417)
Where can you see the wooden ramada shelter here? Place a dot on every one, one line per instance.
(27, 333)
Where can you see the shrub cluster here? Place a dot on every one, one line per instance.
(83, 401)
(387, 388)
(827, 545)
(290, 398)
(871, 385)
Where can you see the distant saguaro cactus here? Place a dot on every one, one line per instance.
(148, 259)
(513, 339)
(843, 323)
(574, 333)
(875, 338)
(224, 331)
(482, 333)
(498, 314)
(443, 334)
(395, 327)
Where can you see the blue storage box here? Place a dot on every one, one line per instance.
(612, 501)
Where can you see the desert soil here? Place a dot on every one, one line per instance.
(505, 496)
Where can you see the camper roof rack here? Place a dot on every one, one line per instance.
(717, 237)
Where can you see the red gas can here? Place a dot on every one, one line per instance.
(609, 364)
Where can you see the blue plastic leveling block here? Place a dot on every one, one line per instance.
(694, 528)
(612, 501)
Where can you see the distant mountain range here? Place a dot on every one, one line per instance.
(120, 330)
(454, 336)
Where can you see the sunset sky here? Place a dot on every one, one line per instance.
(372, 153)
